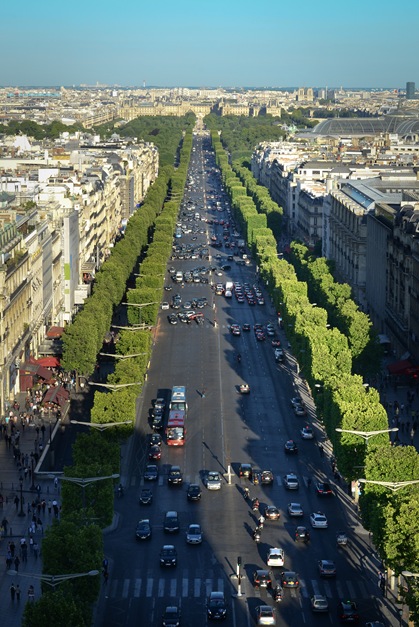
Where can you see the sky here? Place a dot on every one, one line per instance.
(217, 43)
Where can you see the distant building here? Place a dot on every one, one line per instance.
(410, 91)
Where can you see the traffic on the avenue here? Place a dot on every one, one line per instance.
(232, 509)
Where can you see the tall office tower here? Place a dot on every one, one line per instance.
(410, 91)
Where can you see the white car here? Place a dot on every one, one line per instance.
(307, 433)
(318, 520)
(291, 481)
(295, 509)
(213, 480)
(276, 557)
(194, 534)
(165, 305)
(265, 615)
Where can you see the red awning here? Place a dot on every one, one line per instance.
(48, 362)
(33, 368)
(400, 367)
(57, 395)
(55, 332)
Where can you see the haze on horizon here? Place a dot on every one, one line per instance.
(188, 43)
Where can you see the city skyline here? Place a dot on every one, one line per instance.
(226, 44)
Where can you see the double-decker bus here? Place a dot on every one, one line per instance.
(176, 428)
(178, 398)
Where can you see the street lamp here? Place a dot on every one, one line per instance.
(394, 486)
(100, 427)
(114, 387)
(407, 573)
(366, 434)
(21, 513)
(84, 481)
(122, 356)
(53, 580)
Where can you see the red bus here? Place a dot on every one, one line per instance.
(175, 429)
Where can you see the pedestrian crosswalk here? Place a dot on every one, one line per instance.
(185, 585)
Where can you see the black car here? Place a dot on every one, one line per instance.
(171, 616)
(348, 612)
(216, 606)
(323, 489)
(146, 497)
(262, 579)
(266, 477)
(155, 438)
(143, 530)
(175, 476)
(290, 447)
(157, 422)
(168, 555)
(194, 492)
(171, 522)
(289, 579)
(151, 472)
(246, 470)
(172, 318)
(302, 534)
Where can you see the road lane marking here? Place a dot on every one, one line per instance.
(197, 588)
(125, 588)
(137, 588)
(149, 590)
(161, 586)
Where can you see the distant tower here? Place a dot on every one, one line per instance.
(410, 91)
(144, 84)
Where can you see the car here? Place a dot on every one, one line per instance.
(172, 318)
(266, 477)
(296, 400)
(235, 329)
(291, 481)
(265, 615)
(246, 470)
(151, 472)
(193, 492)
(165, 305)
(289, 579)
(295, 510)
(301, 534)
(154, 452)
(290, 447)
(270, 329)
(171, 522)
(348, 612)
(168, 555)
(272, 512)
(175, 476)
(307, 433)
(146, 497)
(318, 520)
(299, 410)
(213, 480)
(323, 489)
(276, 343)
(327, 568)
(279, 355)
(159, 406)
(171, 616)
(244, 388)
(155, 438)
(143, 530)
(319, 603)
(194, 534)
(276, 557)
(262, 578)
(216, 606)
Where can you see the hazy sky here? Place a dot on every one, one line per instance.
(202, 43)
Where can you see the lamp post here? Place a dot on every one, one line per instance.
(53, 580)
(115, 387)
(83, 482)
(21, 513)
(100, 427)
(394, 486)
(33, 486)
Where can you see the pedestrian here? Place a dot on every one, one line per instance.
(105, 563)
(105, 576)
(56, 484)
(17, 593)
(203, 393)
(17, 563)
(12, 548)
(412, 435)
(5, 524)
(49, 506)
(31, 593)
(35, 550)
(12, 592)
(43, 505)
(16, 502)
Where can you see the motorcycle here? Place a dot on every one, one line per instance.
(278, 594)
(255, 505)
(120, 491)
(257, 535)
(341, 538)
(239, 358)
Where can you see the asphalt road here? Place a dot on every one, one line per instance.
(224, 429)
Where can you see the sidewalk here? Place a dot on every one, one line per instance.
(20, 516)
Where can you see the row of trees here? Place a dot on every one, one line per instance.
(74, 543)
(341, 398)
(38, 131)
